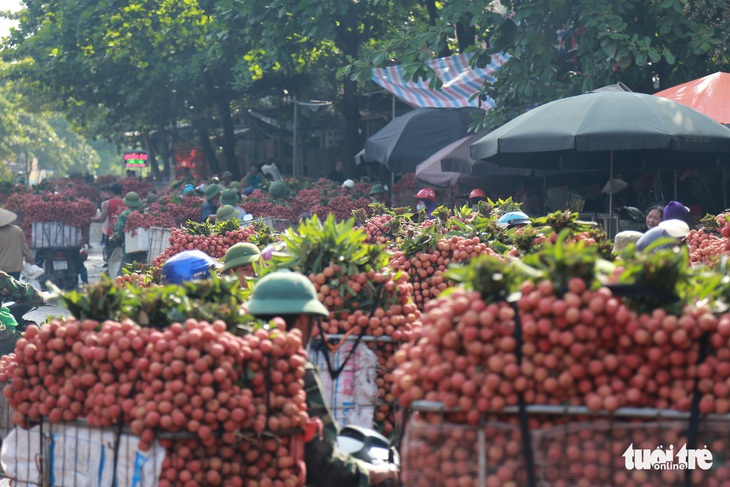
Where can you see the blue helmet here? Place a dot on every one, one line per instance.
(189, 265)
(513, 219)
(189, 188)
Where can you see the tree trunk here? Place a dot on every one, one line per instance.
(223, 105)
(465, 33)
(167, 156)
(208, 151)
(433, 16)
(151, 158)
(351, 112)
(348, 41)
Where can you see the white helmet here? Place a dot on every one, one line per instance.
(513, 219)
(349, 184)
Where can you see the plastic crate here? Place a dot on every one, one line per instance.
(137, 241)
(55, 234)
(560, 199)
(159, 241)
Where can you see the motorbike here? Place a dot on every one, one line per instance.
(61, 266)
(368, 446)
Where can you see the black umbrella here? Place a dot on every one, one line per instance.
(410, 139)
(590, 131)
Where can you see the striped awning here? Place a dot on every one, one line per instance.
(460, 82)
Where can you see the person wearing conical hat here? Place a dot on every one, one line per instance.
(13, 247)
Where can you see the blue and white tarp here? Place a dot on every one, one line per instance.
(460, 82)
(75, 455)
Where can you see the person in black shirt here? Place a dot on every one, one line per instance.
(338, 173)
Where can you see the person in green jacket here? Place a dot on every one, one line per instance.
(133, 203)
(292, 296)
(23, 294)
(13, 290)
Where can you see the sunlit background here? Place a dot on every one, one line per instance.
(5, 24)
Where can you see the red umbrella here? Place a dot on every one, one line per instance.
(709, 95)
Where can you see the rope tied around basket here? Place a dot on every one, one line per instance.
(326, 347)
(524, 423)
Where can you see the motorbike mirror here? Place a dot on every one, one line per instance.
(349, 445)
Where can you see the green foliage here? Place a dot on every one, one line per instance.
(159, 307)
(495, 278)
(27, 132)
(424, 240)
(659, 276)
(207, 228)
(126, 67)
(7, 179)
(561, 220)
(633, 41)
(317, 244)
(565, 260)
(264, 235)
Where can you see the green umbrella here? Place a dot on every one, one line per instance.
(656, 132)
(603, 130)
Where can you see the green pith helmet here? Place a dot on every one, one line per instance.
(132, 201)
(277, 189)
(376, 189)
(211, 191)
(240, 254)
(226, 174)
(235, 185)
(285, 293)
(230, 197)
(152, 198)
(225, 213)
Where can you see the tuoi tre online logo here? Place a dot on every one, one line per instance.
(660, 459)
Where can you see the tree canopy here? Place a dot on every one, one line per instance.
(27, 132)
(149, 66)
(560, 48)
